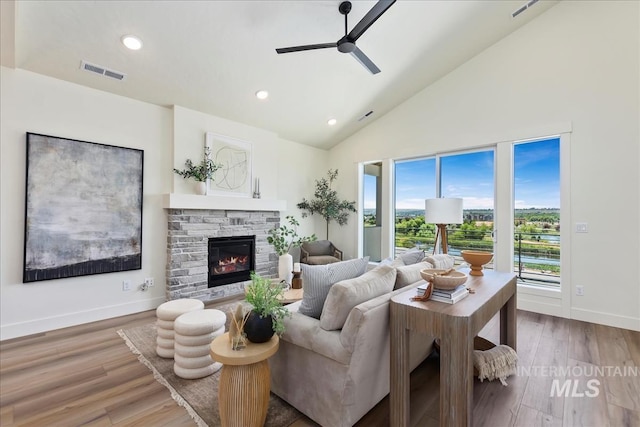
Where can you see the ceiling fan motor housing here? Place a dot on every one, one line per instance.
(345, 7)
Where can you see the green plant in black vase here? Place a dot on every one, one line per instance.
(265, 298)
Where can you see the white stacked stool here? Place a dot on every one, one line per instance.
(167, 313)
(194, 332)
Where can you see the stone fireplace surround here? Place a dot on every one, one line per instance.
(188, 233)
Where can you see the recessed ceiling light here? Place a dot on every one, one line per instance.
(132, 42)
(332, 122)
(262, 94)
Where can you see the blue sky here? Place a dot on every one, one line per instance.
(470, 176)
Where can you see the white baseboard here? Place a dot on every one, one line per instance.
(46, 324)
(550, 307)
(624, 322)
(553, 307)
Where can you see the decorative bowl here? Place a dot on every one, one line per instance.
(451, 280)
(476, 260)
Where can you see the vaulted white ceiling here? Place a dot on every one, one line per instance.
(212, 56)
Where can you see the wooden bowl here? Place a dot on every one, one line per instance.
(476, 260)
(451, 280)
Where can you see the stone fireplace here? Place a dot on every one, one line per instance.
(189, 234)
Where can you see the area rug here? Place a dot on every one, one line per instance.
(198, 397)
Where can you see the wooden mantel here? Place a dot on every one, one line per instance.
(193, 201)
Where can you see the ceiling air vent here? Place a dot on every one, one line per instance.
(523, 8)
(365, 116)
(98, 69)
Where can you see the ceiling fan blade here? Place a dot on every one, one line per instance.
(376, 11)
(305, 47)
(364, 60)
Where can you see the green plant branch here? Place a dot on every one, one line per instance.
(284, 238)
(202, 171)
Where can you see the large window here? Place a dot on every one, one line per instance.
(469, 176)
(536, 171)
(415, 181)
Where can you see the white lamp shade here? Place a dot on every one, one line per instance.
(443, 211)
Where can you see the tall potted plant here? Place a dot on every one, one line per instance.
(284, 238)
(200, 172)
(326, 202)
(267, 315)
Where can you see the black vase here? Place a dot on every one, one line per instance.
(258, 329)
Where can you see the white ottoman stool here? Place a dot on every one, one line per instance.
(193, 333)
(167, 313)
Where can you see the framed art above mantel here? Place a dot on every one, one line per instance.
(235, 157)
(83, 211)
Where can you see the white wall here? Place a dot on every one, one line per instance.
(577, 63)
(35, 103)
(286, 169)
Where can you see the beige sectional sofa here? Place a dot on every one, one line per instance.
(336, 368)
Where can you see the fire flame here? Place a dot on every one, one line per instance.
(231, 264)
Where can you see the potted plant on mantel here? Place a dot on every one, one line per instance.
(200, 172)
(283, 239)
(267, 315)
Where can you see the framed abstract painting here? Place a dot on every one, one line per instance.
(83, 210)
(234, 156)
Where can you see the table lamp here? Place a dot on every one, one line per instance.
(442, 212)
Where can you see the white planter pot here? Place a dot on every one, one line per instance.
(285, 268)
(201, 188)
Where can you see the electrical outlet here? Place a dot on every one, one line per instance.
(582, 227)
(580, 290)
(126, 285)
(148, 281)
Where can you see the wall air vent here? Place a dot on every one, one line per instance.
(98, 69)
(365, 116)
(523, 8)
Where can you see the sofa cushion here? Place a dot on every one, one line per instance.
(345, 295)
(440, 261)
(318, 279)
(412, 256)
(409, 274)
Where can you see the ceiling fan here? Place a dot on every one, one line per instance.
(347, 44)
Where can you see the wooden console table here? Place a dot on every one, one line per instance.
(456, 325)
(245, 381)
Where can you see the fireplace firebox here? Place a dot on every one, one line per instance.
(231, 259)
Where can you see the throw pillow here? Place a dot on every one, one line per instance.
(441, 261)
(317, 279)
(409, 274)
(345, 295)
(412, 256)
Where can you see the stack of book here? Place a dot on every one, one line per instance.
(449, 296)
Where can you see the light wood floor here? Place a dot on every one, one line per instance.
(86, 375)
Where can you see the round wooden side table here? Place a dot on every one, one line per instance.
(292, 295)
(245, 381)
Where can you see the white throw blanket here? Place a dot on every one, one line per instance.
(498, 362)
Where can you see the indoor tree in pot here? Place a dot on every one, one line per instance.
(267, 315)
(326, 202)
(284, 238)
(200, 172)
